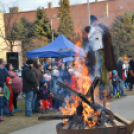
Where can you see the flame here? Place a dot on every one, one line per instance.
(83, 83)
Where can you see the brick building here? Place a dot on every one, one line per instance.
(106, 11)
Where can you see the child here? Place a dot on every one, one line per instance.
(10, 103)
(116, 79)
(3, 102)
(73, 80)
(48, 79)
(44, 94)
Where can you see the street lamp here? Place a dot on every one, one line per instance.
(52, 27)
(88, 2)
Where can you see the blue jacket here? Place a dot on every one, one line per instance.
(54, 87)
(117, 80)
(3, 101)
(44, 92)
(3, 76)
(65, 75)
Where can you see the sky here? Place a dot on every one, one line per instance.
(26, 5)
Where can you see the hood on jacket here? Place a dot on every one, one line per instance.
(8, 79)
(35, 62)
(26, 66)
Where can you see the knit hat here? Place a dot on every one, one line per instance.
(71, 70)
(47, 77)
(42, 81)
(120, 59)
(29, 61)
(55, 72)
(114, 71)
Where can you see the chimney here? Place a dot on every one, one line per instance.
(106, 10)
(14, 9)
(50, 5)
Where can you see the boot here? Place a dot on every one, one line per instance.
(47, 111)
(11, 113)
(43, 111)
(1, 119)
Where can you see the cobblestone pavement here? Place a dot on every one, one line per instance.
(123, 106)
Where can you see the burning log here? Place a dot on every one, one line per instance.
(55, 117)
(58, 98)
(85, 99)
(90, 92)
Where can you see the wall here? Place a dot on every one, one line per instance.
(2, 36)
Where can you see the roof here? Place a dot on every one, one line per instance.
(80, 12)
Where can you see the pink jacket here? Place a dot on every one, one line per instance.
(16, 81)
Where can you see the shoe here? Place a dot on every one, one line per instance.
(124, 95)
(11, 114)
(32, 115)
(47, 111)
(17, 110)
(1, 119)
(43, 111)
(118, 95)
(51, 109)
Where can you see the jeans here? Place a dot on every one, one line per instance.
(122, 87)
(34, 101)
(1, 112)
(15, 96)
(37, 104)
(115, 88)
(56, 104)
(28, 103)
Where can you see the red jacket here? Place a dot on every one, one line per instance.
(73, 82)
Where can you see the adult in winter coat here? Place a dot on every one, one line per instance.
(65, 76)
(56, 89)
(38, 76)
(3, 72)
(121, 69)
(17, 86)
(29, 86)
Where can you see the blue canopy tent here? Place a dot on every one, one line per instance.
(60, 47)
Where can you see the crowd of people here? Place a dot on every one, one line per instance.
(39, 84)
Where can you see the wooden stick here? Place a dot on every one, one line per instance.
(54, 117)
(85, 99)
(117, 123)
(122, 119)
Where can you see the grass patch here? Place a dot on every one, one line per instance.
(19, 121)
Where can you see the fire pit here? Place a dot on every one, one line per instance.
(128, 129)
(87, 116)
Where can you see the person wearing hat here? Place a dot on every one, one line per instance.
(116, 80)
(44, 93)
(29, 86)
(56, 89)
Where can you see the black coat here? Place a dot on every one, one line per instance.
(119, 69)
(29, 81)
